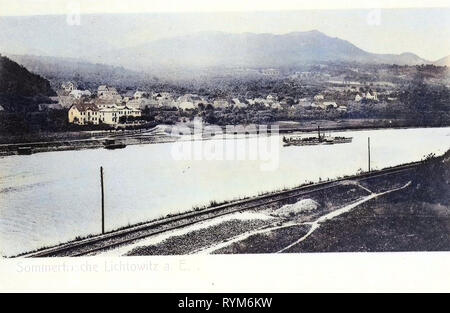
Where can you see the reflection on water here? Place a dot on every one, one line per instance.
(48, 198)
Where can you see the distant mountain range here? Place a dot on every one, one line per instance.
(217, 49)
(154, 41)
(445, 61)
(209, 49)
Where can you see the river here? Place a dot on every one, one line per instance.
(49, 198)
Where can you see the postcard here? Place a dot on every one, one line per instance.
(139, 136)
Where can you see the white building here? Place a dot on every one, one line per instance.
(275, 105)
(186, 105)
(78, 94)
(271, 72)
(108, 93)
(318, 97)
(163, 98)
(140, 94)
(111, 115)
(220, 103)
(329, 104)
(89, 113)
(68, 86)
(141, 103)
(371, 96)
(237, 103)
(367, 96)
(84, 113)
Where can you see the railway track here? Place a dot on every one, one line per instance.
(130, 234)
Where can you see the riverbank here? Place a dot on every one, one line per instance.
(162, 134)
(88, 140)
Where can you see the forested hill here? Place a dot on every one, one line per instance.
(19, 88)
(17, 80)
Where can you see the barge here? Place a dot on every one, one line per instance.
(111, 144)
(321, 139)
(24, 150)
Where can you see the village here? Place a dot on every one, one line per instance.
(111, 107)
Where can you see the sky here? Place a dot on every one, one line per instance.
(423, 31)
(33, 7)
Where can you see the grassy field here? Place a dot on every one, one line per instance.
(415, 219)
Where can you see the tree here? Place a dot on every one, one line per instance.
(123, 119)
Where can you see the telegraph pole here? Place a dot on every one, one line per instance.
(368, 150)
(103, 200)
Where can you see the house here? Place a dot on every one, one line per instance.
(129, 95)
(370, 96)
(276, 105)
(260, 101)
(318, 97)
(367, 96)
(304, 104)
(220, 103)
(163, 98)
(111, 115)
(102, 103)
(271, 98)
(237, 103)
(84, 113)
(68, 86)
(89, 113)
(101, 90)
(189, 101)
(108, 93)
(271, 72)
(140, 94)
(78, 94)
(141, 103)
(329, 104)
(46, 106)
(186, 105)
(189, 97)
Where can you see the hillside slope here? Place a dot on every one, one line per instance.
(19, 88)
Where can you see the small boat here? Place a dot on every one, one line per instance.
(112, 144)
(115, 146)
(24, 150)
(312, 141)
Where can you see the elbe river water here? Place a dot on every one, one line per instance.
(49, 198)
